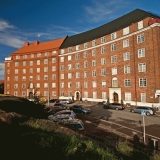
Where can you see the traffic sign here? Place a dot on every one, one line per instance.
(143, 112)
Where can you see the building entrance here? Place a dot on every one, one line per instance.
(115, 97)
(77, 96)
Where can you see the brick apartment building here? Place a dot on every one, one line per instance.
(116, 61)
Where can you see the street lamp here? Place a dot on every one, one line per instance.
(48, 80)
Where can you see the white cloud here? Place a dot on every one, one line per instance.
(101, 10)
(1, 70)
(5, 25)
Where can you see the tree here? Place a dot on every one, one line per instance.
(1, 88)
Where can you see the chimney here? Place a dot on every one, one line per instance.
(36, 42)
(26, 43)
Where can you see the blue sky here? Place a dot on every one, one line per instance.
(43, 20)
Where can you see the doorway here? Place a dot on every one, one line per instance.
(115, 97)
(31, 95)
(77, 96)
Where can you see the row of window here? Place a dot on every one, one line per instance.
(140, 39)
(127, 83)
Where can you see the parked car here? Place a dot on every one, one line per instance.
(116, 106)
(64, 101)
(66, 112)
(53, 100)
(59, 118)
(148, 110)
(56, 108)
(79, 109)
(74, 124)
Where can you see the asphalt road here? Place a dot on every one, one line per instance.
(123, 123)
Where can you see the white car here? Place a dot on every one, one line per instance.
(64, 101)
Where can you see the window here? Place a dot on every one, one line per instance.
(62, 85)
(17, 57)
(113, 59)
(126, 69)
(94, 94)
(23, 93)
(24, 63)
(23, 85)
(69, 66)
(45, 93)
(77, 65)
(93, 42)
(62, 67)
(85, 74)
(46, 54)
(24, 71)
(8, 78)
(141, 52)
(142, 67)
(16, 78)
(140, 38)
(54, 52)
(39, 55)
(32, 55)
(77, 47)
(85, 94)
(61, 59)
(85, 55)
(85, 45)
(69, 94)
(140, 25)
(70, 49)
(53, 68)
(62, 76)
(103, 39)
(103, 84)
(126, 43)
(38, 70)
(38, 62)
(53, 85)
(103, 61)
(143, 97)
(16, 71)
(69, 75)
(85, 64)
(53, 93)
(53, 76)
(104, 95)
(31, 78)
(38, 77)
(53, 60)
(16, 64)
(94, 84)
(45, 69)
(38, 85)
(126, 31)
(77, 84)
(142, 82)
(45, 61)
(69, 84)
(127, 82)
(62, 51)
(8, 71)
(114, 71)
(15, 93)
(8, 64)
(93, 62)
(85, 84)
(23, 78)
(77, 75)
(103, 50)
(126, 56)
(114, 82)
(128, 96)
(31, 63)
(25, 56)
(45, 77)
(113, 47)
(77, 56)
(103, 72)
(93, 52)
(69, 58)
(62, 93)
(31, 70)
(93, 73)
(113, 36)
(45, 85)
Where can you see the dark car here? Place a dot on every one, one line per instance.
(79, 109)
(56, 108)
(116, 106)
(53, 100)
(148, 110)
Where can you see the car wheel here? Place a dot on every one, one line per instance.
(132, 111)
(117, 109)
(147, 113)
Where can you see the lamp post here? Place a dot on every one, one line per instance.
(48, 80)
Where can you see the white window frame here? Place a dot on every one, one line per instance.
(104, 84)
(103, 72)
(125, 30)
(94, 73)
(113, 36)
(113, 59)
(143, 97)
(128, 96)
(93, 52)
(93, 63)
(141, 52)
(140, 24)
(142, 82)
(114, 71)
(142, 67)
(113, 47)
(126, 56)
(127, 69)
(140, 38)
(94, 84)
(127, 83)
(126, 43)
